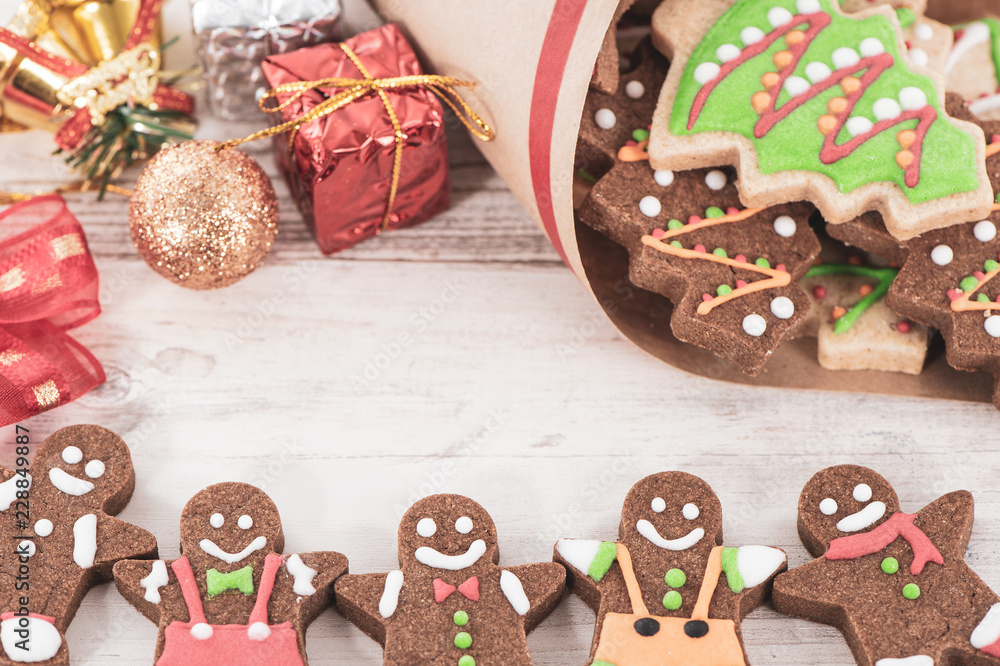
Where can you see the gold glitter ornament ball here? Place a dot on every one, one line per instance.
(203, 218)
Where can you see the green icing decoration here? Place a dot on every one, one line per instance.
(991, 265)
(968, 284)
(466, 660)
(241, 580)
(463, 640)
(461, 618)
(724, 290)
(911, 591)
(640, 135)
(672, 600)
(983, 298)
(890, 565)
(994, 26)
(676, 244)
(601, 662)
(586, 175)
(714, 213)
(885, 277)
(719, 252)
(675, 578)
(948, 162)
(763, 263)
(732, 572)
(674, 225)
(906, 16)
(607, 553)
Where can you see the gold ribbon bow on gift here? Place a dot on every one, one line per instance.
(355, 89)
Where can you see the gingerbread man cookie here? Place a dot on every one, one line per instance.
(232, 597)
(668, 592)
(60, 538)
(449, 603)
(812, 104)
(896, 584)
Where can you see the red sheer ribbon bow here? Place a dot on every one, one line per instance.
(48, 285)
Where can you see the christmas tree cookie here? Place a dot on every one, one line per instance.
(896, 584)
(809, 103)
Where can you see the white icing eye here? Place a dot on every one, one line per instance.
(94, 469)
(828, 507)
(658, 505)
(72, 455)
(690, 511)
(862, 492)
(463, 525)
(216, 520)
(245, 522)
(43, 527)
(426, 527)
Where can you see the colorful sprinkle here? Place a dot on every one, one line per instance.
(724, 290)
(714, 213)
(463, 640)
(466, 660)
(890, 565)
(819, 292)
(911, 591)
(461, 618)
(640, 135)
(700, 249)
(991, 265)
(676, 244)
(674, 225)
(672, 600)
(982, 298)
(865, 290)
(968, 284)
(903, 327)
(719, 252)
(762, 263)
(839, 312)
(675, 578)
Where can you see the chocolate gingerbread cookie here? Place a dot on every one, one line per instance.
(231, 597)
(449, 602)
(668, 592)
(60, 538)
(895, 584)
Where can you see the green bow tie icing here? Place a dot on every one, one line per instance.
(241, 579)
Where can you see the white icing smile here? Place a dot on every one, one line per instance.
(69, 484)
(867, 517)
(209, 547)
(647, 530)
(432, 558)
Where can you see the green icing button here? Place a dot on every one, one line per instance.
(906, 16)
(461, 618)
(674, 225)
(723, 290)
(968, 284)
(463, 640)
(675, 578)
(466, 661)
(672, 600)
(890, 565)
(640, 135)
(911, 591)
(714, 213)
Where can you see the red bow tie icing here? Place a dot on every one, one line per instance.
(899, 525)
(469, 589)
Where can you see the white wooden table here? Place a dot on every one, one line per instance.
(517, 393)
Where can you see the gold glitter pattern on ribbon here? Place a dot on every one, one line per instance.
(10, 357)
(69, 245)
(12, 279)
(50, 284)
(47, 395)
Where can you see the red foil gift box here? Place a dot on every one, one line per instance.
(340, 166)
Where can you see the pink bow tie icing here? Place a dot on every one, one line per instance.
(469, 589)
(899, 525)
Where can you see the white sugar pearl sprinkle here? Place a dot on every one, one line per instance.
(779, 16)
(919, 57)
(942, 255)
(992, 326)
(635, 89)
(706, 72)
(785, 226)
(605, 119)
(924, 32)
(650, 206)
(782, 307)
(754, 325)
(871, 47)
(807, 6)
(716, 180)
(985, 231)
(751, 35)
(728, 52)
(663, 177)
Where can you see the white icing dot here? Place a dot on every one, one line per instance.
(690, 511)
(635, 89)
(94, 469)
(796, 85)
(924, 32)
(463, 525)
(942, 255)
(751, 35)
(605, 119)
(782, 307)
(845, 57)
(754, 325)
(217, 520)
(828, 507)
(919, 57)
(779, 16)
(985, 231)
(817, 71)
(43, 527)
(727, 52)
(202, 631)
(785, 226)
(650, 206)
(706, 72)
(862, 492)
(859, 125)
(426, 527)
(808, 6)
(245, 522)
(716, 179)
(663, 177)
(258, 631)
(72, 455)
(871, 47)
(26, 548)
(912, 99)
(658, 505)
(992, 326)
(887, 109)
